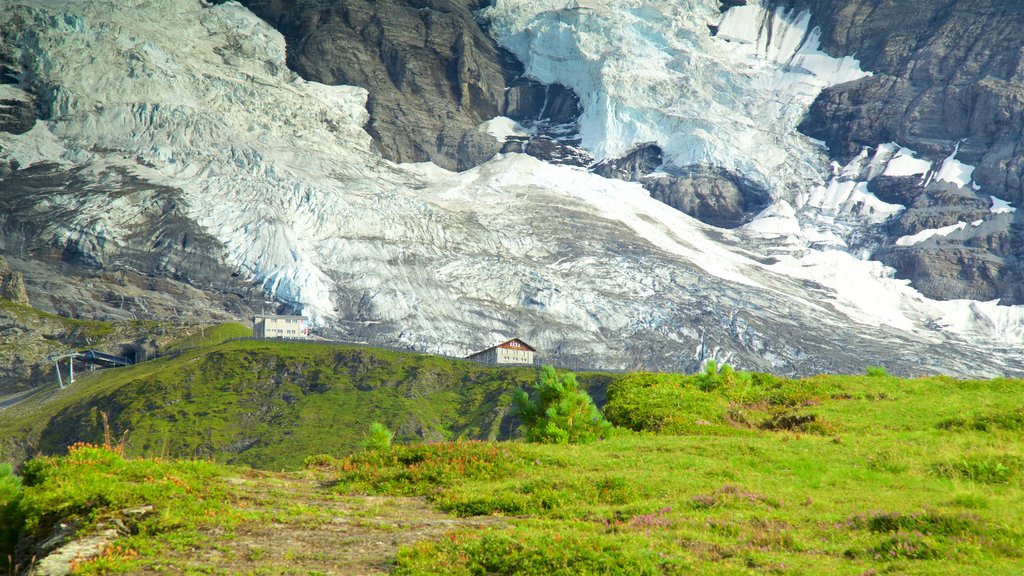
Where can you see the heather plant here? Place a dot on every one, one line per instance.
(420, 469)
(559, 413)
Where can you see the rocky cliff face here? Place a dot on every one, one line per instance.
(948, 75)
(432, 72)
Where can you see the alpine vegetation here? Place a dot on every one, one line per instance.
(559, 412)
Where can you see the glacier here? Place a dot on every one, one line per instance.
(592, 271)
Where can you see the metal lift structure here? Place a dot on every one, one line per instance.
(91, 357)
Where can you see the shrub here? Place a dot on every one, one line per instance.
(545, 551)
(663, 403)
(561, 412)
(809, 423)
(378, 438)
(876, 371)
(10, 514)
(422, 469)
(907, 546)
(984, 469)
(926, 522)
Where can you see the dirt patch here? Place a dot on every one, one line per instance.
(306, 529)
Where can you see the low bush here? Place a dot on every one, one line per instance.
(907, 546)
(418, 470)
(927, 522)
(548, 552)
(665, 403)
(11, 517)
(787, 421)
(563, 498)
(985, 469)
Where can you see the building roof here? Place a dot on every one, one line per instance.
(275, 316)
(503, 345)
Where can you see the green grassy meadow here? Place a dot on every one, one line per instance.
(269, 404)
(729, 474)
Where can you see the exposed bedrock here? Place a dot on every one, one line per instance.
(944, 72)
(711, 194)
(81, 264)
(432, 72)
(976, 260)
(17, 108)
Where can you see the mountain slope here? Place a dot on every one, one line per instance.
(212, 163)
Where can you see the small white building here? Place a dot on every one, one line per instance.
(513, 351)
(294, 327)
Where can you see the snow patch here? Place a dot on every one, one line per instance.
(929, 233)
(502, 127)
(1001, 206)
(905, 163)
(955, 171)
(847, 191)
(779, 219)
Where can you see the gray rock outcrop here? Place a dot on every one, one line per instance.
(708, 193)
(945, 73)
(12, 284)
(432, 72)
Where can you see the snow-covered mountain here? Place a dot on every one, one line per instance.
(150, 147)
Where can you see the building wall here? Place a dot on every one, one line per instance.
(514, 356)
(274, 327)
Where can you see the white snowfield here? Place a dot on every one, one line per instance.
(279, 171)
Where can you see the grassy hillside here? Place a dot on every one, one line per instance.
(829, 475)
(28, 338)
(269, 404)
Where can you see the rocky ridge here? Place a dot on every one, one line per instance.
(432, 73)
(947, 78)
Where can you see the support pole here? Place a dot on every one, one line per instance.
(56, 364)
(71, 369)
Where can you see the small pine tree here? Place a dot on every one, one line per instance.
(713, 376)
(378, 438)
(561, 413)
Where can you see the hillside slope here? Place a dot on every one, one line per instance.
(916, 477)
(269, 404)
